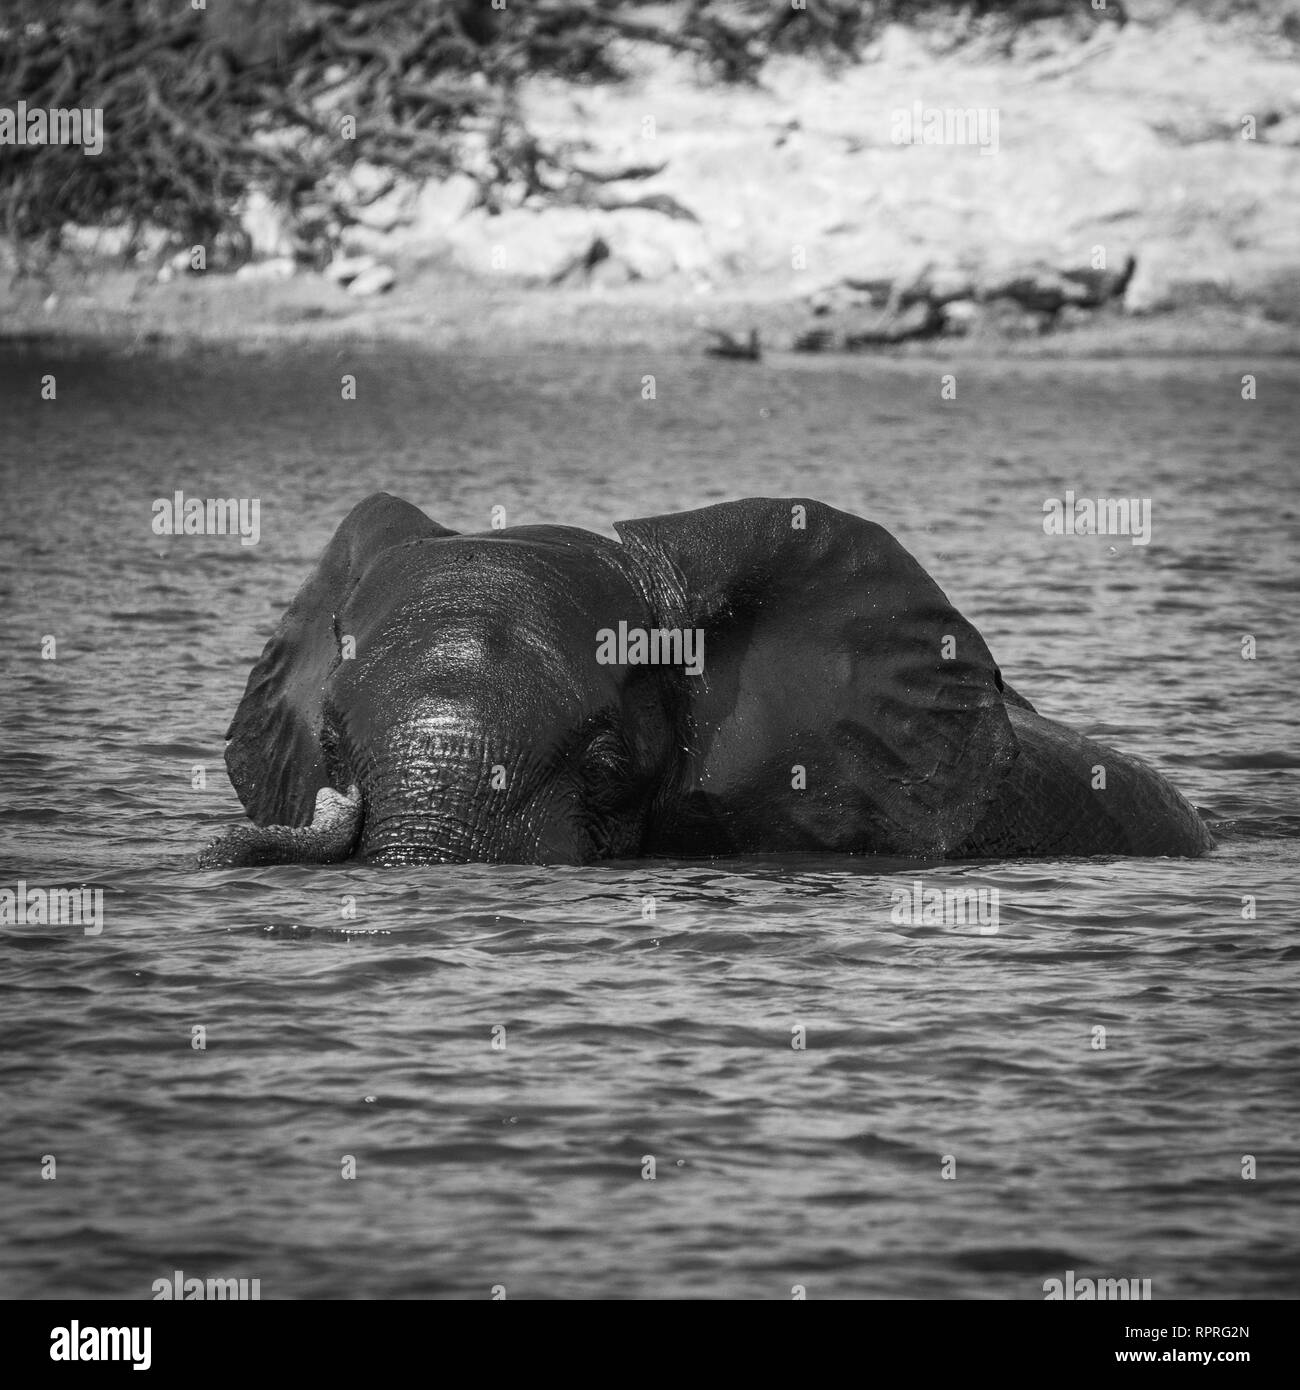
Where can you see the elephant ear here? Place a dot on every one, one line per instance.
(844, 703)
(274, 755)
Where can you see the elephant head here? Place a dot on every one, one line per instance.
(755, 676)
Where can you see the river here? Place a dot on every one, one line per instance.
(832, 1099)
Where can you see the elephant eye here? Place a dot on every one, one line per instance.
(605, 752)
(606, 770)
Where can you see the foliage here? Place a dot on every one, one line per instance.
(202, 105)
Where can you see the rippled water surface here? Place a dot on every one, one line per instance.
(628, 1036)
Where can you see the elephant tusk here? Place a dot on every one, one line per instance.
(332, 835)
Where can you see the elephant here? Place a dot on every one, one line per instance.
(758, 676)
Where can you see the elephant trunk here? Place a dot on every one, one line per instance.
(455, 805)
(334, 834)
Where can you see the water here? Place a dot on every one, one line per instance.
(627, 1037)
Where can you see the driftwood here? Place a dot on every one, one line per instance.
(937, 301)
(727, 345)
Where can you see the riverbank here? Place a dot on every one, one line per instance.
(812, 208)
(126, 311)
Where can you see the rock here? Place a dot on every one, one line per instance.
(1283, 132)
(441, 204)
(97, 241)
(1149, 294)
(876, 288)
(536, 247)
(374, 280)
(344, 269)
(920, 320)
(316, 239)
(1036, 288)
(646, 259)
(1151, 289)
(178, 263)
(366, 180)
(897, 48)
(266, 227)
(278, 268)
(814, 340)
(381, 204)
(960, 316)
(1101, 286)
(609, 273)
(387, 213)
(1181, 278)
(1073, 316)
(835, 299)
(229, 250)
(653, 246)
(642, 243)
(727, 345)
(947, 285)
(1194, 126)
(584, 266)
(1008, 319)
(935, 298)
(886, 276)
(174, 264)
(391, 210)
